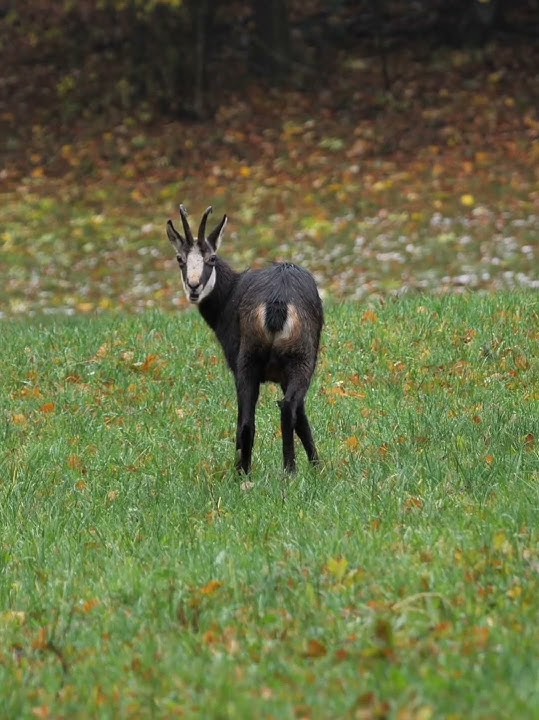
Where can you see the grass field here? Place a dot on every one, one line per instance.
(141, 579)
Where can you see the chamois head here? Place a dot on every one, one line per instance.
(196, 256)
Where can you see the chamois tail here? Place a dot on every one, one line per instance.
(276, 315)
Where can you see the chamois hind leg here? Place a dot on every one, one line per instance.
(292, 409)
(248, 388)
(303, 430)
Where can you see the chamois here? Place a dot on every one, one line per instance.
(268, 323)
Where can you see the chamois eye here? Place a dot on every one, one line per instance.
(181, 261)
(211, 260)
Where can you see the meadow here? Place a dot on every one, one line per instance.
(142, 578)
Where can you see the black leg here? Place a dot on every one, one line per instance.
(248, 388)
(288, 421)
(303, 430)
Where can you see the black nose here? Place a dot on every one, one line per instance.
(192, 286)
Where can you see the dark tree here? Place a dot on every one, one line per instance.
(271, 39)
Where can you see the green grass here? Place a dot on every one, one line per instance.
(138, 578)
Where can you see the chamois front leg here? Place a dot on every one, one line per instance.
(248, 388)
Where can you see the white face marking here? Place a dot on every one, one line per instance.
(194, 270)
(195, 266)
(208, 287)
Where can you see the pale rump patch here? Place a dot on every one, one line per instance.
(255, 326)
(291, 328)
(260, 318)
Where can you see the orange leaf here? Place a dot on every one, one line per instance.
(19, 419)
(315, 649)
(150, 361)
(211, 588)
(529, 441)
(85, 307)
(481, 636)
(370, 317)
(352, 443)
(31, 392)
(75, 462)
(210, 637)
(48, 408)
(413, 503)
(90, 605)
(41, 642)
(43, 712)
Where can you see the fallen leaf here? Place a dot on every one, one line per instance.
(337, 567)
(352, 443)
(370, 317)
(75, 462)
(90, 605)
(211, 588)
(13, 617)
(414, 503)
(315, 649)
(43, 712)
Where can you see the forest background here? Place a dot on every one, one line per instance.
(386, 145)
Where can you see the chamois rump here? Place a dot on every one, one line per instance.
(268, 323)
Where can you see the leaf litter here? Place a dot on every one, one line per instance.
(431, 186)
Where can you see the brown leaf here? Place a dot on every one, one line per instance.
(90, 605)
(41, 641)
(315, 649)
(30, 392)
(370, 317)
(75, 462)
(413, 503)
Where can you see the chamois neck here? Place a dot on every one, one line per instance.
(211, 308)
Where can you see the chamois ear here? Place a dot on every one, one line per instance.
(215, 237)
(174, 236)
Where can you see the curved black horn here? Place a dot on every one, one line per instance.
(187, 230)
(202, 228)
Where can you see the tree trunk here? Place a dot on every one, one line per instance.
(271, 43)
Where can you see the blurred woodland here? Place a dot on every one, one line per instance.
(369, 126)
